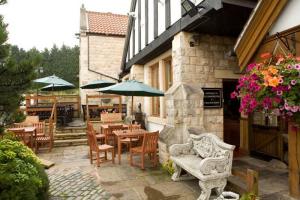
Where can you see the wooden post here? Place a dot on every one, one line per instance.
(87, 109)
(252, 181)
(294, 159)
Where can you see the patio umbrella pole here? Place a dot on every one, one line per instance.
(131, 109)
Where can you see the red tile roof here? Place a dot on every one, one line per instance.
(107, 23)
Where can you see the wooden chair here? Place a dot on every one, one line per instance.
(94, 147)
(111, 117)
(20, 135)
(109, 136)
(40, 128)
(46, 139)
(149, 147)
(128, 141)
(100, 137)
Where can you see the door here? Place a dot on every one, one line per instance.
(231, 114)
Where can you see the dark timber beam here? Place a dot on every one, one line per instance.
(133, 38)
(155, 14)
(139, 25)
(167, 13)
(146, 22)
(164, 41)
(128, 34)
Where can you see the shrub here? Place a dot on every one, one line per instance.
(21, 174)
(168, 167)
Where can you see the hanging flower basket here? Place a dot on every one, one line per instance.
(271, 86)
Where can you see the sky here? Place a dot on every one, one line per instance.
(42, 23)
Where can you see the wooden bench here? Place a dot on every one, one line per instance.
(205, 157)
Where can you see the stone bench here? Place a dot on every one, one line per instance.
(205, 157)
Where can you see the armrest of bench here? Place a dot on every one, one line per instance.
(178, 149)
(217, 165)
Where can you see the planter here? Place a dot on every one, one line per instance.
(294, 159)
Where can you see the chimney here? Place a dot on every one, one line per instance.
(83, 19)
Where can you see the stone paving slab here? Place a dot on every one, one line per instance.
(73, 177)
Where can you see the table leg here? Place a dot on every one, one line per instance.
(119, 150)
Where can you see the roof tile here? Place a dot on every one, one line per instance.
(107, 23)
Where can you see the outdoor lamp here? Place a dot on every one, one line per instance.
(189, 7)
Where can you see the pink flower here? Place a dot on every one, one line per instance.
(297, 67)
(293, 82)
(279, 93)
(289, 67)
(250, 67)
(233, 95)
(294, 108)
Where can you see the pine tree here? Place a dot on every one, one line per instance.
(16, 75)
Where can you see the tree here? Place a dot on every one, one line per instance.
(16, 74)
(63, 62)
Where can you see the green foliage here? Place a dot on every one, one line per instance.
(9, 136)
(63, 62)
(248, 196)
(16, 75)
(168, 167)
(21, 174)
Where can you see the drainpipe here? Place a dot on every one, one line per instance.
(91, 70)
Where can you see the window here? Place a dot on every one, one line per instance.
(155, 84)
(168, 74)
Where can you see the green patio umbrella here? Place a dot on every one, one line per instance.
(53, 80)
(97, 84)
(132, 88)
(57, 87)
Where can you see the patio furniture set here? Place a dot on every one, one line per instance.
(112, 135)
(33, 133)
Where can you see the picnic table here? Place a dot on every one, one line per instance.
(28, 130)
(127, 134)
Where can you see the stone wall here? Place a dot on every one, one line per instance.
(194, 68)
(105, 54)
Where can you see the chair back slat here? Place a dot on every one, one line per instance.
(150, 141)
(93, 140)
(134, 126)
(111, 117)
(40, 127)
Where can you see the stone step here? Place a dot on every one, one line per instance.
(71, 142)
(68, 136)
(71, 130)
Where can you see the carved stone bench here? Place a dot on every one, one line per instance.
(205, 157)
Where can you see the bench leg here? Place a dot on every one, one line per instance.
(207, 186)
(205, 190)
(177, 172)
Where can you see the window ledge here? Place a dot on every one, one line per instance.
(157, 120)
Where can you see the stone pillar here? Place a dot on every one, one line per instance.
(194, 68)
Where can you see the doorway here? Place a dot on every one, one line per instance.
(231, 114)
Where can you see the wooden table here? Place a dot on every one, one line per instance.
(104, 127)
(127, 134)
(28, 130)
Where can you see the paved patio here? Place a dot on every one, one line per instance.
(73, 177)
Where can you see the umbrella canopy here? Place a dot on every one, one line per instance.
(97, 84)
(56, 87)
(132, 88)
(54, 80)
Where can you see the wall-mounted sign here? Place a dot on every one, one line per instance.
(212, 97)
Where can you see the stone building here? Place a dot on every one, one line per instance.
(102, 37)
(184, 55)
